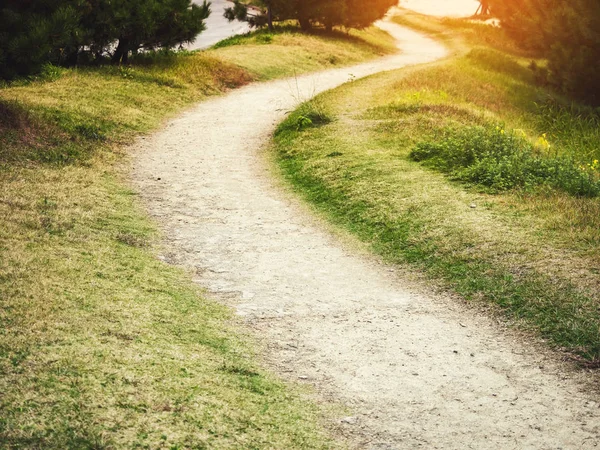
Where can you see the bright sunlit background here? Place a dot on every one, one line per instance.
(442, 7)
(217, 27)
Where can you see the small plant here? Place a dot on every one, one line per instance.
(303, 122)
(500, 160)
(264, 38)
(310, 114)
(542, 143)
(316, 112)
(50, 72)
(127, 72)
(576, 127)
(237, 39)
(593, 168)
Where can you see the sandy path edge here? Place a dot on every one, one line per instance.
(416, 371)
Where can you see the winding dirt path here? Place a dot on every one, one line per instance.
(416, 371)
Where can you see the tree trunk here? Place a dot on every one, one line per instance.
(484, 8)
(270, 17)
(71, 58)
(122, 51)
(304, 23)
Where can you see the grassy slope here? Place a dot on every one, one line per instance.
(104, 346)
(101, 344)
(289, 52)
(537, 256)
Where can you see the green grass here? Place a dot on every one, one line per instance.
(287, 51)
(64, 114)
(64, 119)
(535, 253)
(496, 160)
(105, 346)
(102, 345)
(462, 33)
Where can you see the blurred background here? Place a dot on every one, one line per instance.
(218, 28)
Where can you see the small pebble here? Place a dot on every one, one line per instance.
(350, 420)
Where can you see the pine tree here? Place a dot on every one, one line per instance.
(151, 24)
(361, 14)
(35, 32)
(309, 13)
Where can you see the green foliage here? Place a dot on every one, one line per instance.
(308, 115)
(303, 122)
(68, 32)
(500, 160)
(261, 36)
(567, 32)
(51, 72)
(35, 32)
(309, 13)
(577, 127)
(360, 13)
(144, 24)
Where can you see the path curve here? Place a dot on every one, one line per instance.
(415, 371)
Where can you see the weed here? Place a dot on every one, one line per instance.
(575, 127)
(127, 72)
(310, 114)
(502, 160)
(264, 39)
(303, 122)
(50, 73)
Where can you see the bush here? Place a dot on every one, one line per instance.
(499, 160)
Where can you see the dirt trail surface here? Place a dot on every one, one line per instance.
(413, 370)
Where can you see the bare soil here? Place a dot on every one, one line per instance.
(414, 370)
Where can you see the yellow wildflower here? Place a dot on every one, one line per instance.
(542, 143)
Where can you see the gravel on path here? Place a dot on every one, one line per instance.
(415, 370)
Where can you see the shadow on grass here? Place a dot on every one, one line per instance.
(25, 136)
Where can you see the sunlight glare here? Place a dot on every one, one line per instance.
(451, 8)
